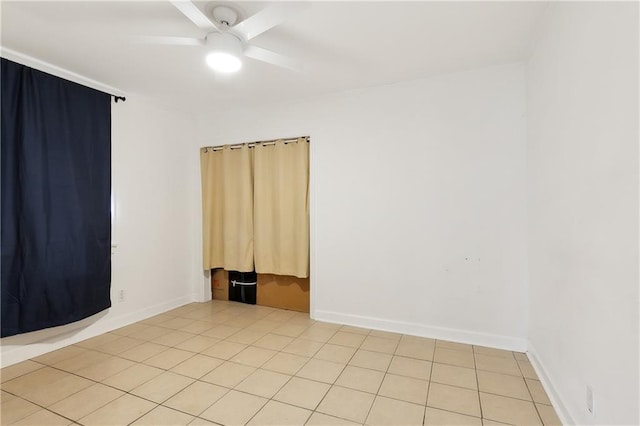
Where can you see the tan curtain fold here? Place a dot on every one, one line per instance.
(227, 208)
(212, 196)
(281, 208)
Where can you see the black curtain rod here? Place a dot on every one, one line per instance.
(119, 98)
(254, 143)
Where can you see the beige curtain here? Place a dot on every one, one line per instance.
(227, 208)
(281, 208)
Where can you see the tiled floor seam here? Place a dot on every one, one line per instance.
(379, 387)
(333, 383)
(104, 384)
(137, 418)
(248, 393)
(107, 403)
(275, 400)
(463, 414)
(535, 406)
(24, 374)
(426, 402)
(41, 407)
(475, 369)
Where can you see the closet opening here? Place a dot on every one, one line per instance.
(255, 201)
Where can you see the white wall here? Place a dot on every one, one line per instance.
(418, 202)
(583, 208)
(152, 226)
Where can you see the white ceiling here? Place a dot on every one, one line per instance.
(343, 45)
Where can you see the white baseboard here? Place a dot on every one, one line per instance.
(25, 346)
(422, 330)
(552, 392)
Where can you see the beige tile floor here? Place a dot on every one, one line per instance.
(234, 364)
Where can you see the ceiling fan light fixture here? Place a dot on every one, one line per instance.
(223, 62)
(225, 51)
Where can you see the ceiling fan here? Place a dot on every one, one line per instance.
(226, 41)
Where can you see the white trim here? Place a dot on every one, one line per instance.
(47, 67)
(313, 270)
(80, 331)
(556, 399)
(451, 334)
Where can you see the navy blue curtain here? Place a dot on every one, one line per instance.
(56, 200)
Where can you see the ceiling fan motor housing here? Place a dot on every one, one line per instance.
(224, 15)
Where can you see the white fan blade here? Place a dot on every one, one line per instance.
(195, 15)
(267, 18)
(177, 41)
(270, 57)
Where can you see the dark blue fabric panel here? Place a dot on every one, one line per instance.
(56, 200)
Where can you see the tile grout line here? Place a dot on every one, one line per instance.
(379, 386)
(535, 406)
(260, 367)
(475, 369)
(125, 392)
(280, 388)
(275, 393)
(334, 382)
(37, 405)
(426, 402)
